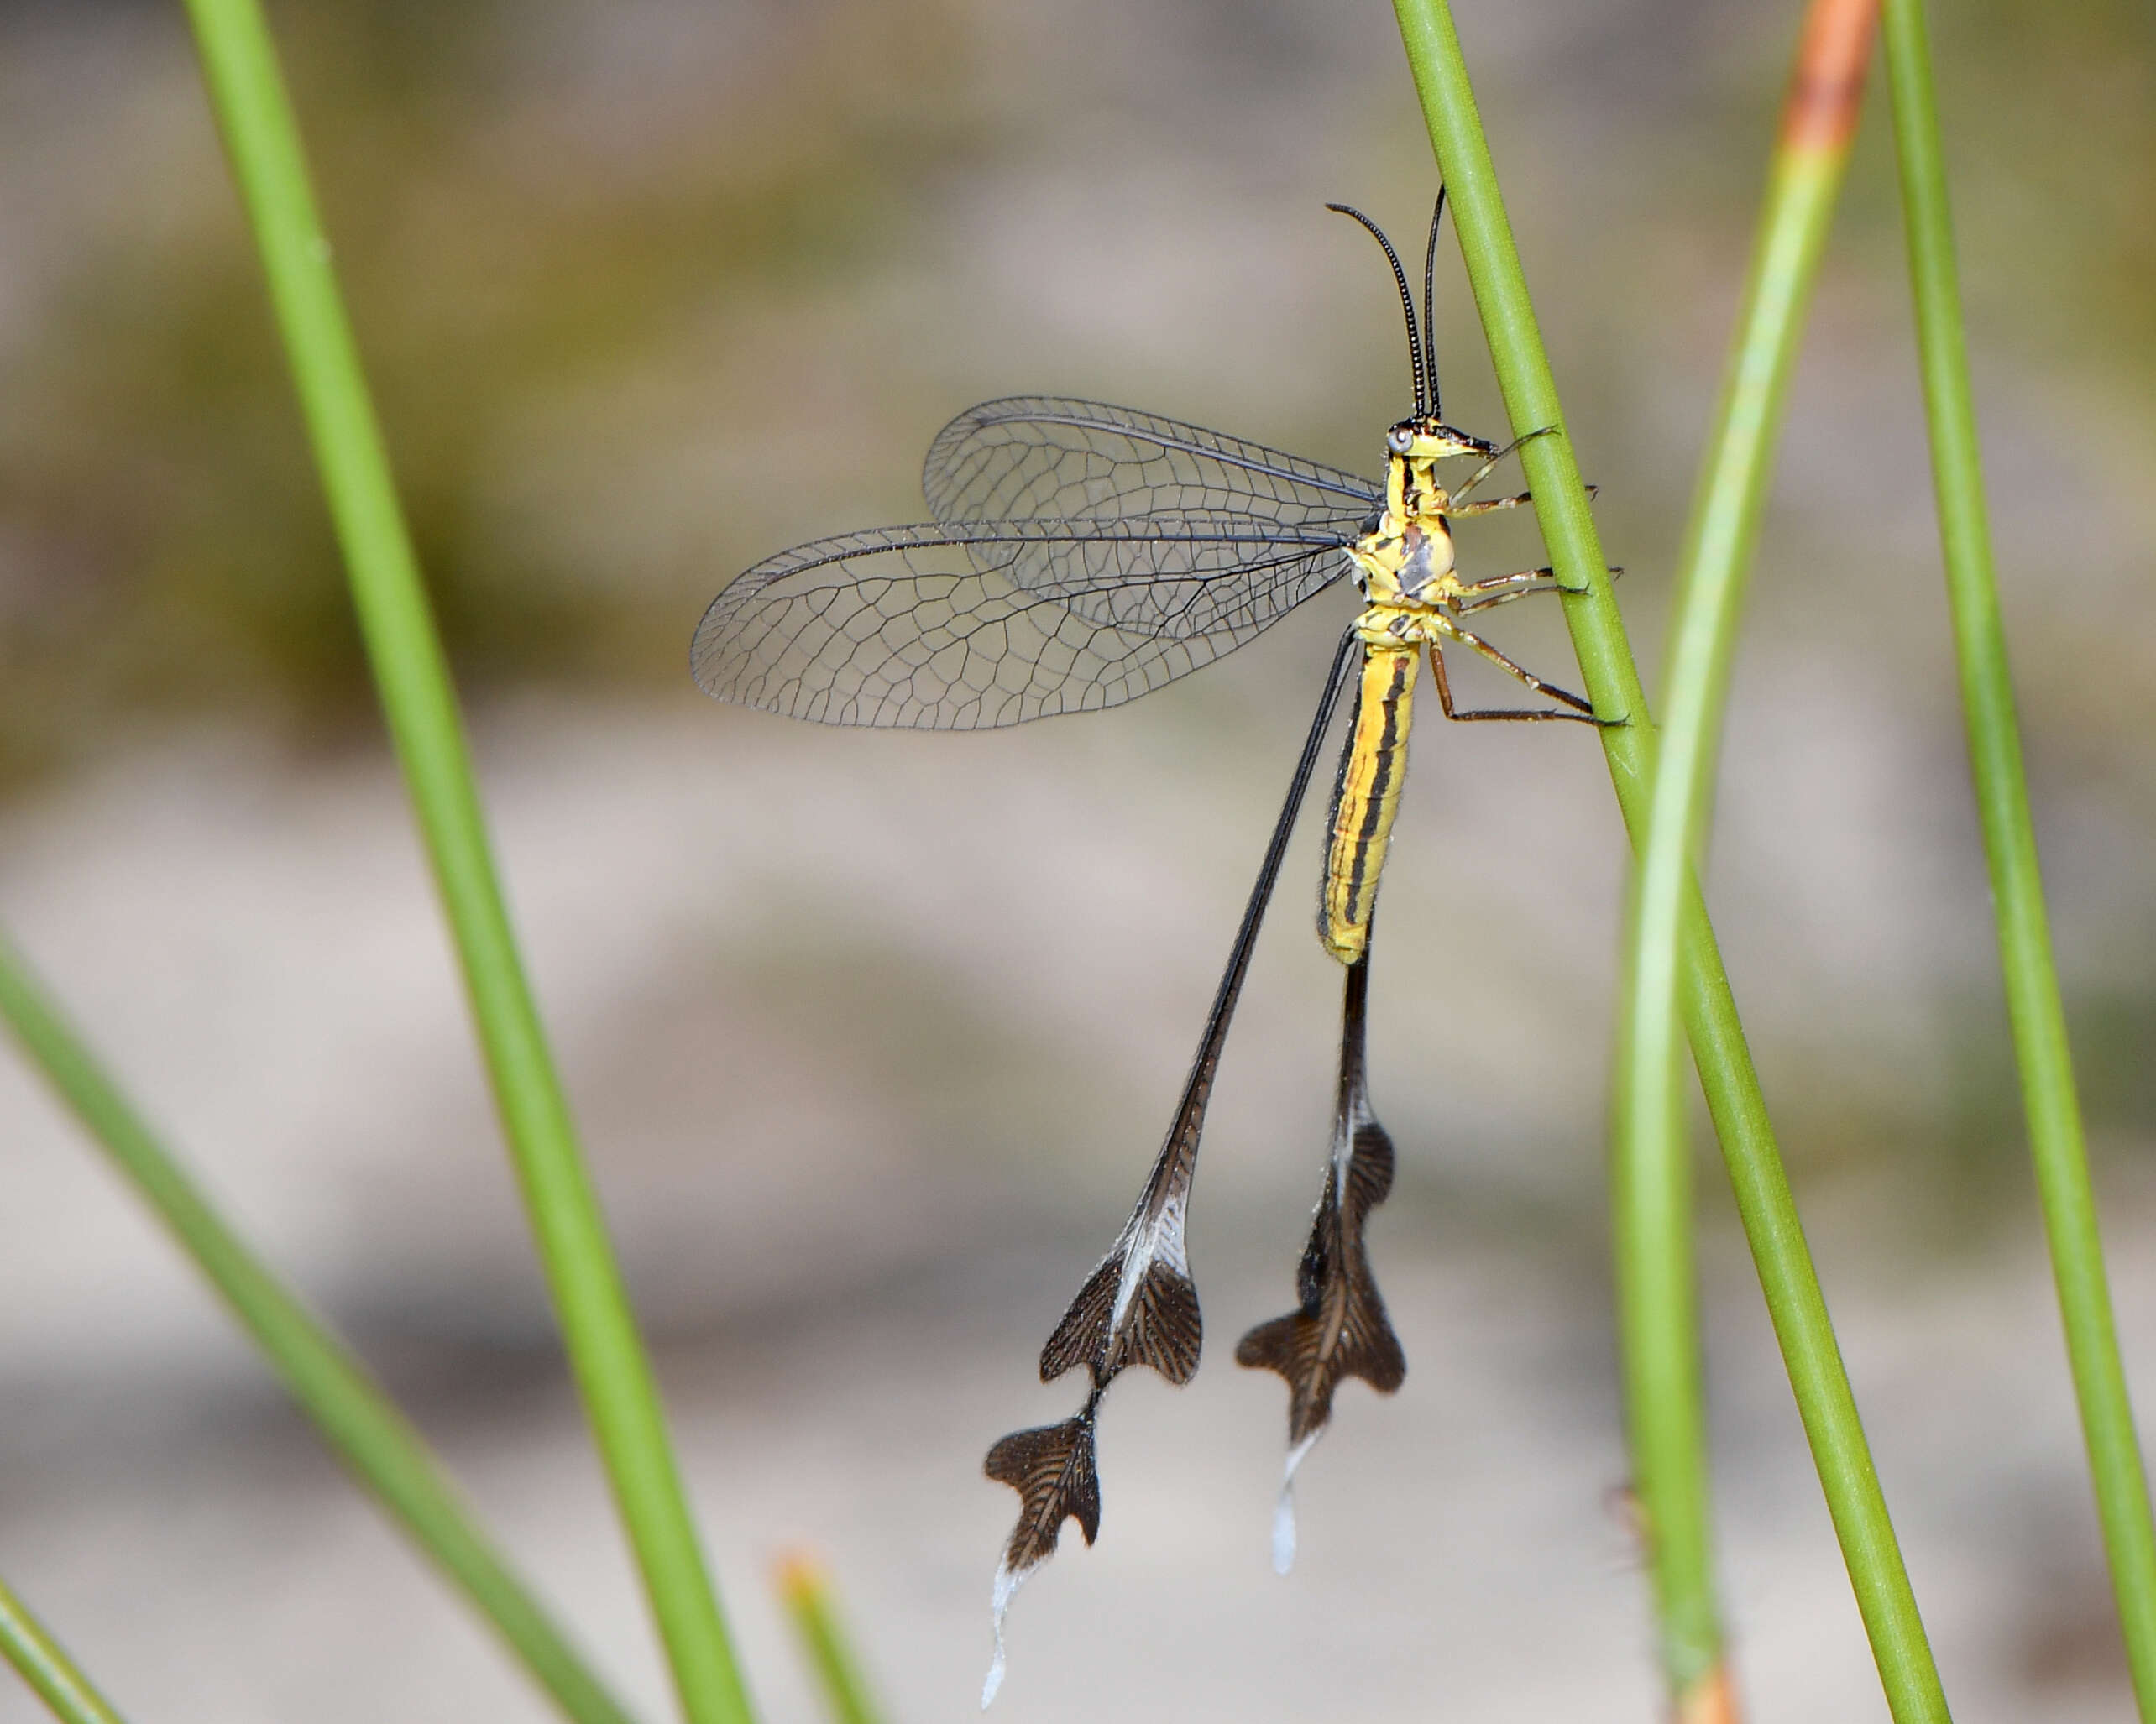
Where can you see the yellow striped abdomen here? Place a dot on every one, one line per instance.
(1366, 799)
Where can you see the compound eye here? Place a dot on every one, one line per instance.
(1399, 440)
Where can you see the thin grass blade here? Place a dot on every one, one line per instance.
(804, 1587)
(2038, 1019)
(1651, 1153)
(1795, 1304)
(599, 1330)
(43, 1663)
(387, 1456)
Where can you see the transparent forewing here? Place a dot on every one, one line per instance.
(956, 627)
(1040, 458)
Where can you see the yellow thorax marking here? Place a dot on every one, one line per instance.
(1404, 562)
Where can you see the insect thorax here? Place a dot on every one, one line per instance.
(1405, 560)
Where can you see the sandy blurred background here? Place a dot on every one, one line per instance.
(872, 1036)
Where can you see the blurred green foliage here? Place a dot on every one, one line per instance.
(505, 253)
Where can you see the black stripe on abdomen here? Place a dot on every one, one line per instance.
(1366, 799)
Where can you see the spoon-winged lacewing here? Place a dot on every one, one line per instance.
(1081, 556)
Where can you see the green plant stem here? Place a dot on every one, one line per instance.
(45, 1665)
(2032, 983)
(1651, 1154)
(1795, 1304)
(806, 1589)
(597, 1327)
(384, 1452)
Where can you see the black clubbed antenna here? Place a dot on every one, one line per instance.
(1429, 306)
(1406, 304)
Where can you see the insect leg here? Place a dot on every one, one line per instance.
(1585, 715)
(1484, 471)
(1503, 589)
(1455, 508)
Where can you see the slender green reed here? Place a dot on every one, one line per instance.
(42, 1662)
(806, 1589)
(1650, 1155)
(2032, 982)
(599, 1328)
(1772, 1228)
(384, 1452)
